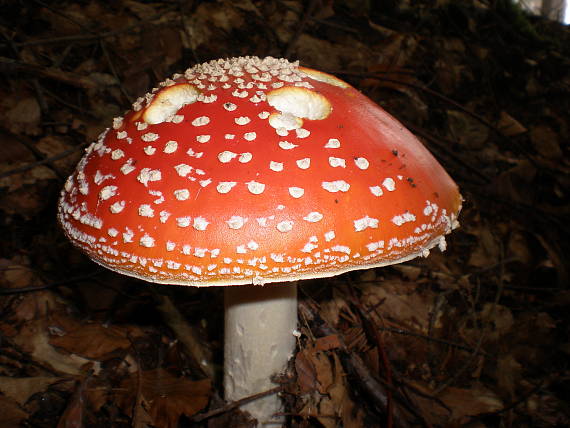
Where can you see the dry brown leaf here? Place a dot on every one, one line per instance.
(470, 402)
(516, 184)
(487, 252)
(518, 247)
(168, 397)
(453, 44)
(508, 373)
(328, 408)
(170, 45)
(97, 395)
(433, 411)
(402, 301)
(448, 76)
(314, 370)
(411, 273)
(330, 309)
(72, 417)
(467, 130)
(33, 339)
(22, 388)
(213, 21)
(12, 151)
(351, 414)
(90, 340)
(327, 343)
(396, 52)
(27, 201)
(24, 116)
(458, 404)
(285, 21)
(140, 9)
(141, 418)
(327, 413)
(12, 414)
(545, 322)
(336, 404)
(306, 373)
(324, 371)
(18, 276)
(17, 273)
(499, 317)
(546, 141)
(13, 182)
(66, 24)
(496, 323)
(34, 306)
(509, 126)
(332, 55)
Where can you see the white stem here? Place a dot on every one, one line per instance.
(259, 342)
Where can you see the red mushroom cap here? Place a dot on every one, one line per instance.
(253, 170)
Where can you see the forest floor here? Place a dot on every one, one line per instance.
(476, 336)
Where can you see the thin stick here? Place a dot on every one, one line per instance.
(47, 160)
(8, 65)
(235, 404)
(306, 16)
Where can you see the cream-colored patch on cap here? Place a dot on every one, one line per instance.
(167, 102)
(285, 121)
(300, 102)
(324, 77)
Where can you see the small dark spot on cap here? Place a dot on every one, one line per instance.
(436, 194)
(411, 181)
(395, 152)
(336, 201)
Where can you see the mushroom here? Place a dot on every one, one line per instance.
(252, 174)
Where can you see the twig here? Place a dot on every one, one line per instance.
(56, 11)
(8, 65)
(385, 361)
(393, 414)
(235, 404)
(377, 389)
(306, 16)
(442, 144)
(430, 338)
(53, 284)
(185, 333)
(44, 108)
(449, 101)
(182, 5)
(374, 387)
(21, 356)
(70, 105)
(114, 71)
(483, 334)
(44, 161)
(427, 90)
(138, 408)
(337, 26)
(91, 37)
(29, 144)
